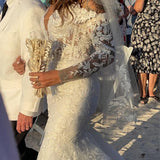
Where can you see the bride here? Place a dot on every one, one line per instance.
(84, 44)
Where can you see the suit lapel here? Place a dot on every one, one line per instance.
(9, 17)
(4, 22)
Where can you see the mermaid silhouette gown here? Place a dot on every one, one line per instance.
(82, 45)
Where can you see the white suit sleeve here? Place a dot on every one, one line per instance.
(30, 28)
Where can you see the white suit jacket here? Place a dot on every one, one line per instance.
(21, 21)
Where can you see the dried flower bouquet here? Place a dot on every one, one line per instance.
(40, 56)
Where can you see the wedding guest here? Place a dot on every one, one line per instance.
(19, 20)
(130, 19)
(123, 13)
(145, 41)
(8, 149)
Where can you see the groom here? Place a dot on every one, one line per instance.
(19, 20)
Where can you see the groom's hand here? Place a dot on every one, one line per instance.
(24, 123)
(19, 65)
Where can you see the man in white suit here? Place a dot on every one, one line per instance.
(21, 21)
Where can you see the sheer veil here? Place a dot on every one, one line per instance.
(116, 90)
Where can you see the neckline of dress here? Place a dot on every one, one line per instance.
(81, 15)
(82, 12)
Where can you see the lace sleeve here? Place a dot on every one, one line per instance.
(102, 55)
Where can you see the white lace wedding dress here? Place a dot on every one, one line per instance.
(82, 45)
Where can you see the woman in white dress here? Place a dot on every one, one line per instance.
(84, 44)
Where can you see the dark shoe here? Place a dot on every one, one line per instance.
(143, 100)
(157, 99)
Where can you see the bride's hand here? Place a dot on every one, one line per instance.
(44, 79)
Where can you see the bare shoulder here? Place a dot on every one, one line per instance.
(92, 5)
